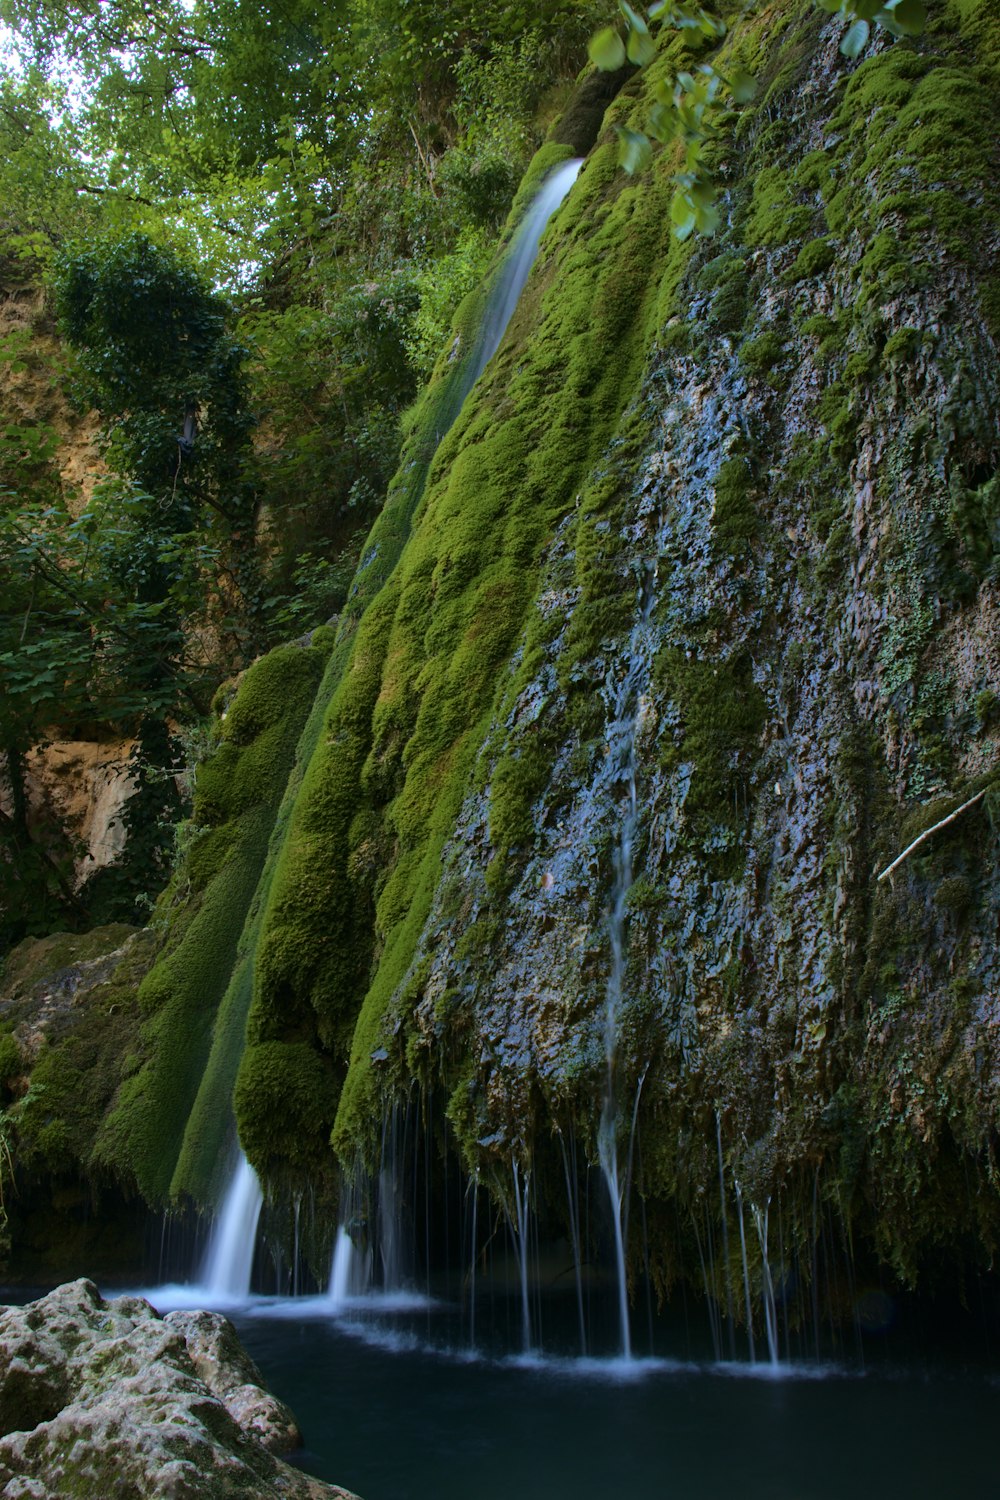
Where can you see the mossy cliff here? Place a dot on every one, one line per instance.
(756, 476)
(114, 1083)
(786, 433)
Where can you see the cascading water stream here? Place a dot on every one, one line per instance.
(520, 258)
(760, 1218)
(350, 1271)
(503, 299)
(229, 1258)
(622, 735)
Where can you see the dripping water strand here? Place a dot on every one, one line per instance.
(622, 736)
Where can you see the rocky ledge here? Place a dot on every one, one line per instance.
(106, 1398)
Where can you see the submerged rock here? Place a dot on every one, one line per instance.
(106, 1397)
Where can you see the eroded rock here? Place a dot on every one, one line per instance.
(107, 1398)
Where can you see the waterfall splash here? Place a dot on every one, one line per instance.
(228, 1262)
(622, 734)
(350, 1273)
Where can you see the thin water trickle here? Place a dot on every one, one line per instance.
(474, 1190)
(521, 1229)
(572, 1203)
(622, 735)
(746, 1275)
(760, 1218)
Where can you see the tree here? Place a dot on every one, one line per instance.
(158, 362)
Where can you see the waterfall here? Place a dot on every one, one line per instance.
(520, 259)
(628, 709)
(229, 1259)
(503, 299)
(197, 1161)
(350, 1272)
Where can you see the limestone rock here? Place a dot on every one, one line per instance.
(229, 1372)
(107, 1398)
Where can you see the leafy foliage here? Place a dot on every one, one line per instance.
(692, 110)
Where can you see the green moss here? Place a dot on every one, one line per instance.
(725, 277)
(760, 355)
(830, 334)
(237, 794)
(81, 1065)
(734, 521)
(775, 217)
(886, 269)
(37, 959)
(954, 894)
(815, 173)
(285, 1101)
(10, 1059)
(901, 345)
(974, 523)
(815, 257)
(915, 130)
(987, 707)
(860, 367)
(721, 713)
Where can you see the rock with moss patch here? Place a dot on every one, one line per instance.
(106, 1397)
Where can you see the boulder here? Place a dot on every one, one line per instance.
(107, 1398)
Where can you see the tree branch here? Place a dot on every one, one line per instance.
(928, 831)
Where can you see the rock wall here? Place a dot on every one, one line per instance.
(752, 481)
(33, 397)
(81, 787)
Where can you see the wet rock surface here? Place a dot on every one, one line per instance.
(107, 1398)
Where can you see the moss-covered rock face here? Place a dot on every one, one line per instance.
(68, 1022)
(200, 919)
(756, 474)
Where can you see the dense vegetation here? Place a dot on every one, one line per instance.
(253, 224)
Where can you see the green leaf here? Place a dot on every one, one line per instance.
(683, 214)
(634, 150)
(866, 10)
(661, 123)
(641, 47)
(855, 39)
(606, 50)
(707, 218)
(742, 86)
(910, 16)
(632, 17)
